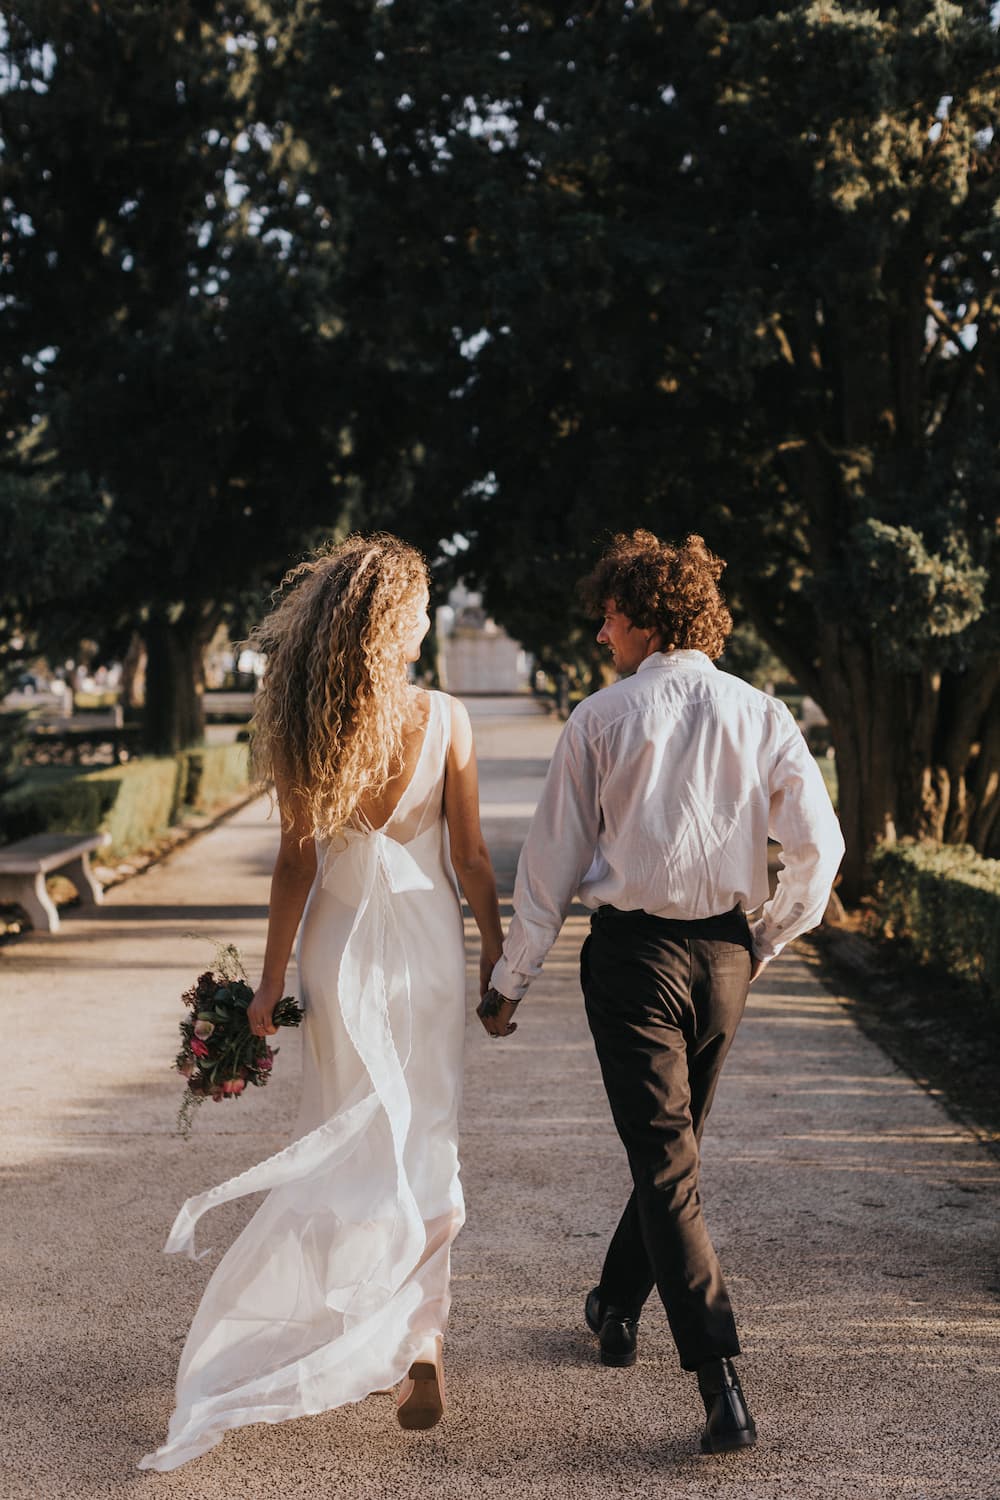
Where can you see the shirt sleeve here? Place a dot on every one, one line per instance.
(804, 823)
(556, 855)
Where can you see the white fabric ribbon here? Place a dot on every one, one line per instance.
(374, 972)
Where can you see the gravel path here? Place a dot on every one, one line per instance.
(856, 1222)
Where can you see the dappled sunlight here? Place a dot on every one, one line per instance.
(932, 1168)
(582, 1123)
(766, 1001)
(811, 1083)
(788, 1017)
(884, 1136)
(819, 1088)
(855, 1221)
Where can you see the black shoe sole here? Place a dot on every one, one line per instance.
(728, 1444)
(615, 1361)
(619, 1361)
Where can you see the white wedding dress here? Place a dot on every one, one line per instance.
(341, 1279)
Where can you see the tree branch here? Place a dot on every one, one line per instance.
(953, 333)
(785, 645)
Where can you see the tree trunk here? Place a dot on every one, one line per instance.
(918, 753)
(984, 785)
(133, 689)
(174, 717)
(860, 729)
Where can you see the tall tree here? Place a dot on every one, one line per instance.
(526, 273)
(749, 284)
(156, 325)
(54, 540)
(868, 450)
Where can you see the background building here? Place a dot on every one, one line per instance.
(475, 655)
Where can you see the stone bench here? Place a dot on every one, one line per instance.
(24, 866)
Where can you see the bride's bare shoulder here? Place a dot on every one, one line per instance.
(418, 711)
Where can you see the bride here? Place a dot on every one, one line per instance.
(339, 1284)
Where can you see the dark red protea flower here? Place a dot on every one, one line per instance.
(219, 1056)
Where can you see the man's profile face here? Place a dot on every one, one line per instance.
(629, 645)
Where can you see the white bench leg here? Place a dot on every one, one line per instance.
(90, 891)
(29, 891)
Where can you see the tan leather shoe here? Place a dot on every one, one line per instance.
(420, 1403)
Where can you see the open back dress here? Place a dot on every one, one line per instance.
(340, 1281)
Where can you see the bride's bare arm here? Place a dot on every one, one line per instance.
(294, 870)
(469, 854)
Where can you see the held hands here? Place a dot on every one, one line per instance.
(494, 1010)
(487, 963)
(496, 1013)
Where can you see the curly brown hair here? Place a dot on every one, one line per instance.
(330, 713)
(674, 590)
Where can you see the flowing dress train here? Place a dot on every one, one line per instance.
(341, 1278)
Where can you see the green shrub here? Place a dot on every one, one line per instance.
(14, 724)
(215, 773)
(147, 798)
(943, 901)
(54, 805)
(135, 803)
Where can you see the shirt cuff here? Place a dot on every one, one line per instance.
(764, 947)
(507, 982)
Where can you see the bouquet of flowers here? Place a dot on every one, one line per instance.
(219, 1053)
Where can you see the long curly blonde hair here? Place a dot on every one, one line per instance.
(330, 714)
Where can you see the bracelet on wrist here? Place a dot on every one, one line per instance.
(506, 999)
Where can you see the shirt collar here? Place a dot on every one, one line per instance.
(696, 659)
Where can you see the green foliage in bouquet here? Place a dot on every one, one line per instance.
(219, 1054)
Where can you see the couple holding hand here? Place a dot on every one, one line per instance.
(656, 813)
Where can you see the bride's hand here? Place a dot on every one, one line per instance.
(487, 963)
(261, 1010)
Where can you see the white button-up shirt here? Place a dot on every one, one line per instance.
(660, 797)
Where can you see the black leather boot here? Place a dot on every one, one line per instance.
(616, 1329)
(728, 1423)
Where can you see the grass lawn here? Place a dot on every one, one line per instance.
(828, 766)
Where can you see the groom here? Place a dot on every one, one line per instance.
(656, 813)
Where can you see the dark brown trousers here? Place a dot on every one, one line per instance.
(664, 1000)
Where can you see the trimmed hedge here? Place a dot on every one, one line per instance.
(215, 773)
(72, 806)
(14, 724)
(147, 800)
(135, 803)
(943, 901)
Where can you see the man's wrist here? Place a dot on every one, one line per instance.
(492, 1000)
(507, 999)
(507, 981)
